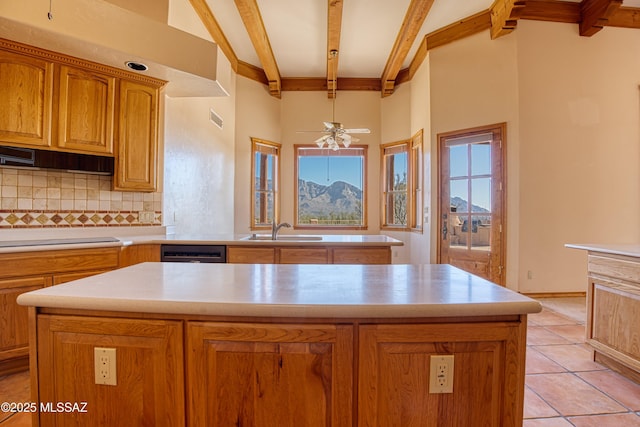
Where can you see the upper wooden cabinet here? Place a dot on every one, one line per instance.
(136, 165)
(86, 111)
(26, 86)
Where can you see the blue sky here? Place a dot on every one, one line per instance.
(325, 170)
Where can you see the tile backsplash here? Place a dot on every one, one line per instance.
(48, 198)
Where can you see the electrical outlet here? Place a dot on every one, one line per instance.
(105, 365)
(441, 373)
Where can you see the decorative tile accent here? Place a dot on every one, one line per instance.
(15, 219)
(46, 198)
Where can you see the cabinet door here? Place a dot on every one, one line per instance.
(488, 375)
(136, 166)
(304, 255)
(362, 256)
(149, 389)
(247, 255)
(25, 100)
(269, 375)
(14, 333)
(86, 111)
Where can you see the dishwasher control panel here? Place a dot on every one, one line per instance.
(193, 253)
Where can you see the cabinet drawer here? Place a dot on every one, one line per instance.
(251, 255)
(63, 261)
(362, 256)
(618, 268)
(304, 256)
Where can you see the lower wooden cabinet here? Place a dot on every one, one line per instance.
(135, 254)
(27, 271)
(149, 371)
(613, 311)
(262, 373)
(14, 331)
(488, 377)
(321, 254)
(269, 375)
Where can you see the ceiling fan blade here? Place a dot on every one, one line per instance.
(322, 139)
(332, 125)
(357, 130)
(309, 131)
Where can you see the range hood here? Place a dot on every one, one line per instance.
(43, 159)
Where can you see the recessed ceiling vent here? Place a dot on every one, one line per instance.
(215, 118)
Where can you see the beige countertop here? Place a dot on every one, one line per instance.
(628, 249)
(78, 241)
(324, 291)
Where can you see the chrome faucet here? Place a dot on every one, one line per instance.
(275, 228)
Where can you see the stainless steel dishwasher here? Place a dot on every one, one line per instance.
(193, 253)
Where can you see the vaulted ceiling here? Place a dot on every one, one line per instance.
(374, 44)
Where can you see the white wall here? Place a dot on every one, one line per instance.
(474, 82)
(258, 116)
(580, 155)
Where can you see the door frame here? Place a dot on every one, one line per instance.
(498, 262)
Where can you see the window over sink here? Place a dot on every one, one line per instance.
(331, 187)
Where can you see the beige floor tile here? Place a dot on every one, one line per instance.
(570, 395)
(548, 317)
(572, 333)
(22, 419)
(535, 407)
(541, 335)
(617, 420)
(14, 388)
(573, 357)
(547, 422)
(538, 363)
(615, 385)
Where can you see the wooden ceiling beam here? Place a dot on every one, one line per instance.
(250, 14)
(595, 15)
(334, 27)
(319, 83)
(413, 20)
(552, 11)
(215, 31)
(504, 16)
(626, 17)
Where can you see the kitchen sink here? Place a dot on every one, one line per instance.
(282, 237)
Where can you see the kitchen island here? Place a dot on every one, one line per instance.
(613, 305)
(285, 345)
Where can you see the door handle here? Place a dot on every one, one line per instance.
(445, 229)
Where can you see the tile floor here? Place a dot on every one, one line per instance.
(564, 387)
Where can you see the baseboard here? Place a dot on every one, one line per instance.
(11, 366)
(555, 294)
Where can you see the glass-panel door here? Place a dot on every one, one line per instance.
(472, 201)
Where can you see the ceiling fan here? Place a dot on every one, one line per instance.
(335, 133)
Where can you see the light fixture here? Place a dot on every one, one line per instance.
(336, 134)
(136, 66)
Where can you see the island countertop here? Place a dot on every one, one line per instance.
(628, 249)
(321, 291)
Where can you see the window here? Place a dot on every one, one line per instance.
(402, 177)
(395, 166)
(265, 173)
(416, 182)
(331, 190)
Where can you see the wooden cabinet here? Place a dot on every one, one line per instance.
(320, 254)
(149, 389)
(613, 311)
(26, 86)
(14, 332)
(27, 271)
(251, 255)
(488, 377)
(136, 165)
(370, 255)
(263, 372)
(55, 102)
(293, 255)
(269, 374)
(86, 111)
(135, 254)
